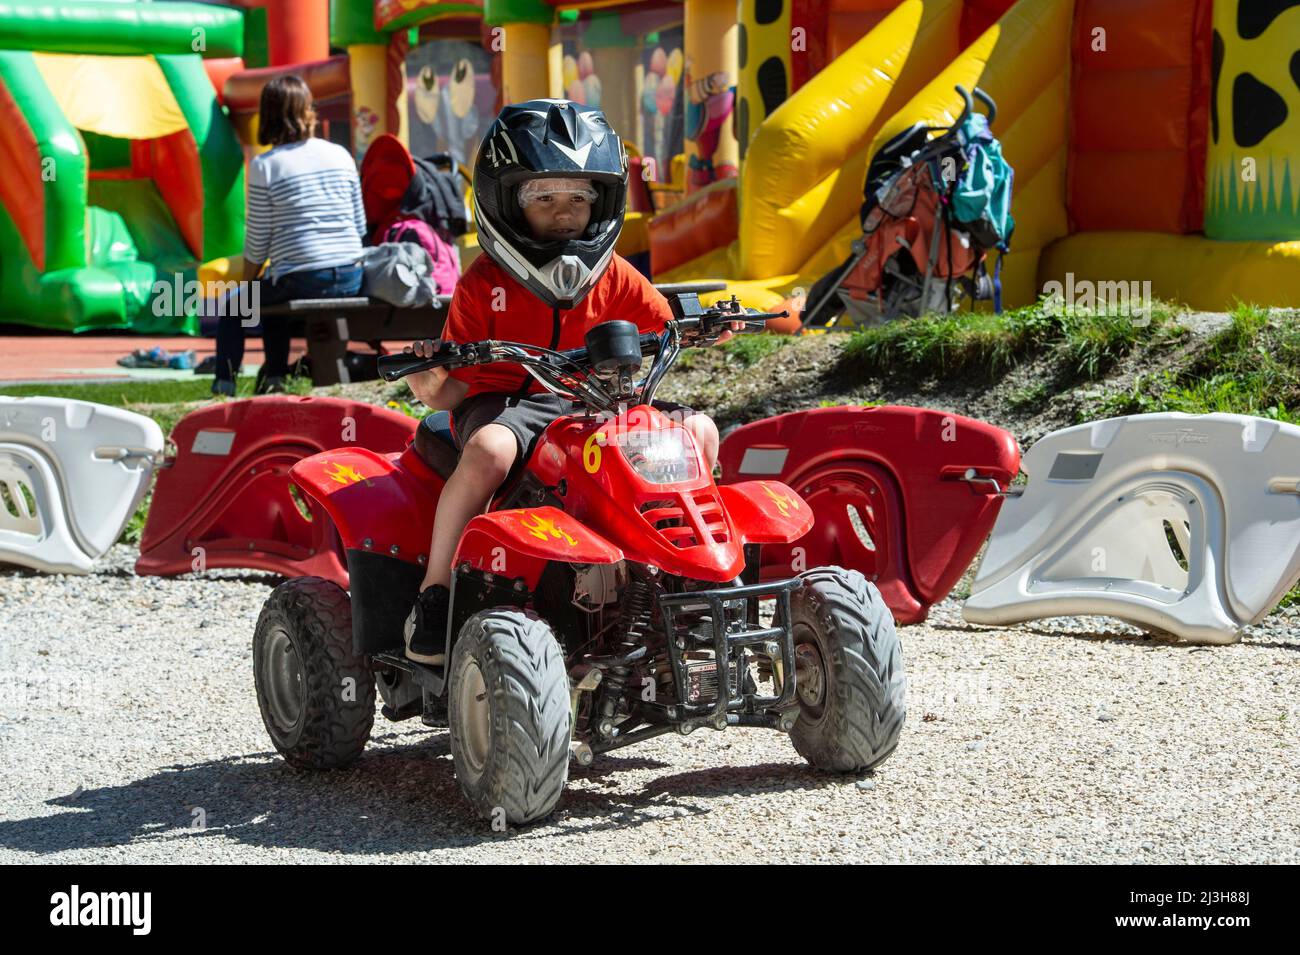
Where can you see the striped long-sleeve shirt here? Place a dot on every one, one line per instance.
(304, 208)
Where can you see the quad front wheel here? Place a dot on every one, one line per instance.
(849, 673)
(508, 706)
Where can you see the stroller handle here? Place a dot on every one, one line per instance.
(980, 95)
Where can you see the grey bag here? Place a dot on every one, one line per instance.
(399, 273)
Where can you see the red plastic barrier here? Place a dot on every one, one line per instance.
(228, 489)
(886, 486)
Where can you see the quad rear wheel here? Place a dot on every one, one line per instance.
(848, 672)
(317, 696)
(508, 706)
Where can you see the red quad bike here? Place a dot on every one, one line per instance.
(610, 594)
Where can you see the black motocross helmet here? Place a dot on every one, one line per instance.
(550, 139)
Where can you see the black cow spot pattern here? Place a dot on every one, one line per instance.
(1255, 16)
(1216, 71)
(769, 11)
(1257, 110)
(772, 83)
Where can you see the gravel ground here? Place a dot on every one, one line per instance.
(129, 733)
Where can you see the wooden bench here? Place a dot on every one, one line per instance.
(330, 323)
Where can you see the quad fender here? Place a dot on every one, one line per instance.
(520, 542)
(227, 496)
(72, 473)
(905, 496)
(374, 501)
(766, 512)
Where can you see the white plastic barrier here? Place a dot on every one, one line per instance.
(1090, 533)
(71, 475)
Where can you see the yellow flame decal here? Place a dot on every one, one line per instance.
(343, 473)
(784, 502)
(544, 529)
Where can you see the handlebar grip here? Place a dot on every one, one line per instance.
(393, 367)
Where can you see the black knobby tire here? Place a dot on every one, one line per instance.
(854, 722)
(509, 733)
(303, 661)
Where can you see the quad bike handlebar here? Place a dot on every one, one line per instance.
(571, 373)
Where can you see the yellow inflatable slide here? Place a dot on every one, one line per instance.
(1120, 173)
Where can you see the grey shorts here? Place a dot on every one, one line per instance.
(526, 417)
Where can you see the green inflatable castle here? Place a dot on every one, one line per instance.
(122, 172)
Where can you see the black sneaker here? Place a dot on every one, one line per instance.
(426, 627)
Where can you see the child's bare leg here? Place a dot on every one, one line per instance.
(484, 463)
(705, 432)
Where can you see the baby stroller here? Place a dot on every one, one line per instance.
(933, 209)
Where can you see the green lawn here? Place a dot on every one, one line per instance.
(123, 394)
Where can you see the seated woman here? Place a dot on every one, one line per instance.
(305, 214)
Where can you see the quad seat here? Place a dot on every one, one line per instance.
(435, 443)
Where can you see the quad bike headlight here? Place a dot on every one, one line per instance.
(661, 457)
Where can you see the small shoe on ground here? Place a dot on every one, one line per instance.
(426, 627)
(223, 386)
(156, 357)
(208, 366)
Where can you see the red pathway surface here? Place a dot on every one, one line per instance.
(70, 357)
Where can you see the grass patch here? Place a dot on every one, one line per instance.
(1030, 397)
(412, 409)
(124, 394)
(134, 529)
(753, 348)
(1250, 367)
(986, 346)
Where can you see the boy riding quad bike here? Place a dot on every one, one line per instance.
(550, 187)
(610, 593)
(608, 596)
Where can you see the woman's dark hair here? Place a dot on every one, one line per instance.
(286, 114)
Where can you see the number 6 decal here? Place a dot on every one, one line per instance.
(591, 452)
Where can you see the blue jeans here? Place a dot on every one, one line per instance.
(338, 282)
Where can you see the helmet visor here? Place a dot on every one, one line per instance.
(548, 190)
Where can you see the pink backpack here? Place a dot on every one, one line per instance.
(446, 268)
